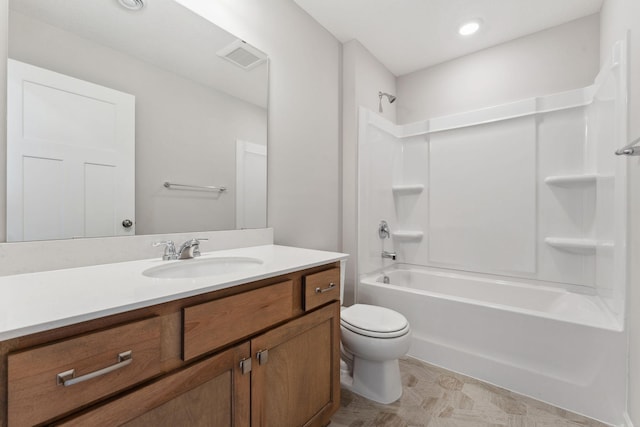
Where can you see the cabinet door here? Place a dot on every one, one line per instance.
(296, 371)
(210, 393)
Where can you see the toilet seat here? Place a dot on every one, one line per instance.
(373, 321)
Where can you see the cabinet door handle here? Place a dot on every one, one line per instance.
(322, 291)
(68, 378)
(245, 366)
(263, 356)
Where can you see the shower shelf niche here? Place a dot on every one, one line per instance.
(402, 189)
(578, 180)
(583, 246)
(407, 235)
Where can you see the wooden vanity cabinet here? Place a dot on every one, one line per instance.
(261, 354)
(212, 392)
(219, 322)
(296, 378)
(35, 374)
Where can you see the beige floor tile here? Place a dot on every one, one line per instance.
(435, 397)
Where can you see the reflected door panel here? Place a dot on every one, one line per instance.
(70, 156)
(251, 184)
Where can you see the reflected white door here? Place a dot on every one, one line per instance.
(70, 156)
(251, 185)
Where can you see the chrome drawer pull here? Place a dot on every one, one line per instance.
(322, 291)
(67, 378)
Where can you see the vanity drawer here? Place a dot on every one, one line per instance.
(36, 395)
(320, 288)
(211, 325)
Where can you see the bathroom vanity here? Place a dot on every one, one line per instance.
(247, 348)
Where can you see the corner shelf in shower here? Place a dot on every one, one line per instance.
(407, 235)
(407, 189)
(577, 245)
(579, 180)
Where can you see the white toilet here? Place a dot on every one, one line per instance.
(373, 338)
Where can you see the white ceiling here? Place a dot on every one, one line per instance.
(408, 35)
(164, 33)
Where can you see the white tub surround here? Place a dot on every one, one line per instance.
(527, 202)
(544, 342)
(529, 189)
(36, 302)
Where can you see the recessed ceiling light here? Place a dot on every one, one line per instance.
(132, 4)
(469, 28)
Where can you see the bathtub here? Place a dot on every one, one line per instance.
(545, 342)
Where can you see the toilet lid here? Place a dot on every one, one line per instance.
(374, 321)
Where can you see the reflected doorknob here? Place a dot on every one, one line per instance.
(127, 223)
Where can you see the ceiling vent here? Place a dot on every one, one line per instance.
(242, 54)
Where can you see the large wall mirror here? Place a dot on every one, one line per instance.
(124, 122)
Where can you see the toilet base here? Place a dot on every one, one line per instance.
(377, 381)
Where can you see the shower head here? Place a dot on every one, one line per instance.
(390, 98)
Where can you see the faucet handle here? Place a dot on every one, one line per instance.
(196, 241)
(383, 230)
(163, 243)
(169, 250)
(190, 248)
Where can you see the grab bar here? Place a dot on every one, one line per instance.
(170, 185)
(630, 149)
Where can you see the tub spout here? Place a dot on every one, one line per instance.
(390, 255)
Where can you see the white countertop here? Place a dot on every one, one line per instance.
(37, 302)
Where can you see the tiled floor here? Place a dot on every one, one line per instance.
(436, 397)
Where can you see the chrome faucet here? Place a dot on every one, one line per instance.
(390, 255)
(190, 249)
(169, 249)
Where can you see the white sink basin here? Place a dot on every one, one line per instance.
(194, 268)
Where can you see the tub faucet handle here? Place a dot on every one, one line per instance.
(383, 230)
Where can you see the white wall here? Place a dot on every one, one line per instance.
(618, 17)
(185, 132)
(558, 59)
(363, 76)
(304, 115)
